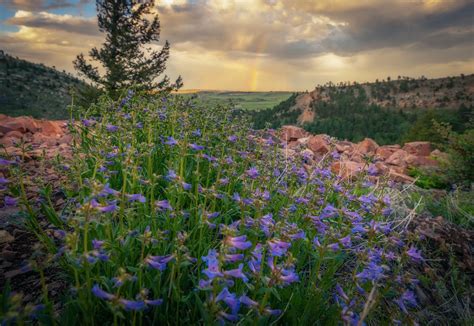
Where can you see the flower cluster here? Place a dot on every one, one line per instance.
(184, 203)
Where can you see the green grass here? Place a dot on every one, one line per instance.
(241, 100)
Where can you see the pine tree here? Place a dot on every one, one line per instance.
(126, 55)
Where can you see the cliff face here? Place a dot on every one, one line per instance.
(403, 93)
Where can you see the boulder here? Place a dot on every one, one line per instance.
(367, 146)
(418, 148)
(347, 169)
(344, 146)
(42, 139)
(303, 141)
(400, 177)
(439, 156)
(292, 133)
(398, 158)
(20, 124)
(319, 144)
(384, 152)
(14, 134)
(423, 161)
(51, 128)
(9, 141)
(381, 167)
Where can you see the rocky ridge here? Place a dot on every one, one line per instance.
(404, 93)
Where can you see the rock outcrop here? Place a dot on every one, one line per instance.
(43, 138)
(392, 161)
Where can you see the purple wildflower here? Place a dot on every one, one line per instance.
(407, 298)
(11, 201)
(232, 258)
(88, 122)
(186, 186)
(196, 147)
(171, 141)
(237, 273)
(111, 128)
(4, 162)
(171, 175)
(133, 305)
(239, 242)
(101, 294)
(230, 299)
(212, 262)
(247, 301)
(159, 262)
(136, 197)
(278, 247)
(97, 244)
(154, 302)
(163, 205)
(232, 138)
(415, 254)
(108, 208)
(346, 241)
(252, 173)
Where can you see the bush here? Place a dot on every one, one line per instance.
(460, 148)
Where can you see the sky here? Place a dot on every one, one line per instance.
(265, 45)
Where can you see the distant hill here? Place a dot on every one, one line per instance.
(403, 93)
(387, 111)
(28, 88)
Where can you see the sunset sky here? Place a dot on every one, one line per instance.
(265, 44)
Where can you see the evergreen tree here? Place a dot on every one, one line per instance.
(126, 55)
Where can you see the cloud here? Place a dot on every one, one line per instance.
(275, 44)
(300, 29)
(45, 20)
(37, 5)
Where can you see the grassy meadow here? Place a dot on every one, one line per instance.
(238, 100)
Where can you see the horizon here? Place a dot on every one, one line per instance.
(265, 45)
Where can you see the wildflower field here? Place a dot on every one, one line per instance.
(181, 214)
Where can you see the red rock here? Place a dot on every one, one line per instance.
(423, 161)
(344, 146)
(400, 177)
(45, 140)
(66, 139)
(381, 167)
(20, 124)
(439, 156)
(384, 152)
(303, 141)
(289, 133)
(9, 141)
(398, 158)
(347, 169)
(293, 144)
(14, 134)
(398, 169)
(418, 148)
(318, 144)
(51, 128)
(367, 146)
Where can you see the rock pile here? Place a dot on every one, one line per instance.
(393, 161)
(40, 138)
